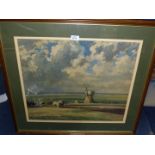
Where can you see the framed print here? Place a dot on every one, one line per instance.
(77, 76)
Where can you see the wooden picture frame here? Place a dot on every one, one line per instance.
(77, 76)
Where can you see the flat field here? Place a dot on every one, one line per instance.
(106, 107)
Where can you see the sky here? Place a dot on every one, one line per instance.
(59, 66)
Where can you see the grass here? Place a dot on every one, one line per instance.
(70, 98)
(53, 113)
(108, 107)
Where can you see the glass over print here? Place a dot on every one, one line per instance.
(79, 81)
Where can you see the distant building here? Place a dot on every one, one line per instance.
(88, 96)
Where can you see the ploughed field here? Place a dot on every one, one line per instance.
(106, 107)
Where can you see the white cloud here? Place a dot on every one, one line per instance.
(108, 67)
(76, 71)
(114, 75)
(65, 50)
(40, 43)
(28, 59)
(56, 49)
(123, 65)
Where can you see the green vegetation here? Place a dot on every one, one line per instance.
(106, 107)
(110, 98)
(71, 98)
(52, 113)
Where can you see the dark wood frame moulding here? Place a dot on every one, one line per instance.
(132, 22)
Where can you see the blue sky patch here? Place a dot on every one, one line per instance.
(86, 45)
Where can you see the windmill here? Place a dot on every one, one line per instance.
(88, 96)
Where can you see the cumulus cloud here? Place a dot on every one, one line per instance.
(108, 68)
(43, 66)
(64, 65)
